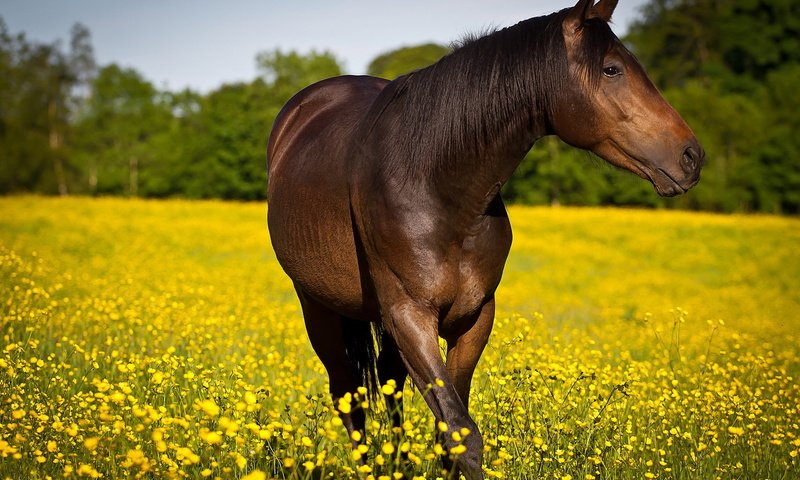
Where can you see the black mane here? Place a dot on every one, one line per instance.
(487, 87)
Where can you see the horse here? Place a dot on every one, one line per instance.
(384, 203)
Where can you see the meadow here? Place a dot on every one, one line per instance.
(161, 339)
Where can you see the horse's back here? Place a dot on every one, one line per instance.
(309, 207)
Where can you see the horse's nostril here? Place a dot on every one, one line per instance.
(690, 160)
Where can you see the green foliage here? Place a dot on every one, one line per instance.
(398, 62)
(288, 73)
(34, 114)
(235, 120)
(684, 39)
(116, 130)
(553, 173)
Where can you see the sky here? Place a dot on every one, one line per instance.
(200, 44)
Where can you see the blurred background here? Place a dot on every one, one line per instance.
(176, 98)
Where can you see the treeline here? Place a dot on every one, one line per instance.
(68, 126)
(731, 68)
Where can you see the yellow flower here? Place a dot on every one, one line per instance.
(255, 475)
(210, 437)
(117, 397)
(736, 430)
(91, 443)
(458, 449)
(88, 471)
(344, 404)
(209, 406)
(187, 456)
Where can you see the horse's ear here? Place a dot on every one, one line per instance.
(577, 15)
(586, 9)
(603, 10)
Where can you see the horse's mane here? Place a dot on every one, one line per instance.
(477, 92)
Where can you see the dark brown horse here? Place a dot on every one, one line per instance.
(384, 205)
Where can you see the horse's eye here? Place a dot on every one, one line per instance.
(611, 71)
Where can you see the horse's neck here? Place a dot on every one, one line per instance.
(470, 175)
(472, 117)
(474, 179)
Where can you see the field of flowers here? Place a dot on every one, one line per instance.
(160, 339)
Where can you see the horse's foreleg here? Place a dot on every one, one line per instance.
(463, 352)
(415, 330)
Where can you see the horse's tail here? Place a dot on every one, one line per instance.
(362, 343)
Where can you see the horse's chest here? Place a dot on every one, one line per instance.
(480, 268)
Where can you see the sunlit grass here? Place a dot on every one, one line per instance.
(146, 339)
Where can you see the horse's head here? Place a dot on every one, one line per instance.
(608, 105)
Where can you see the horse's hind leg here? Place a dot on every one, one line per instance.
(391, 367)
(326, 331)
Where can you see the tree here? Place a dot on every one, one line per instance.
(121, 118)
(780, 150)
(288, 73)
(37, 105)
(403, 60)
(181, 146)
(685, 39)
(35, 116)
(235, 120)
